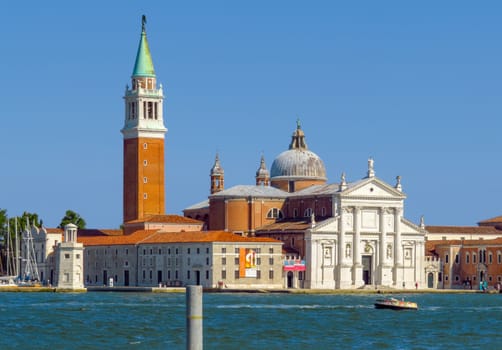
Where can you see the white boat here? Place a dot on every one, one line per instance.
(395, 304)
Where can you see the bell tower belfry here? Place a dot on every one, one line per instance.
(144, 132)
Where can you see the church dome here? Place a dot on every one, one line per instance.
(298, 162)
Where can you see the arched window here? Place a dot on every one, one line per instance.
(467, 258)
(308, 212)
(274, 213)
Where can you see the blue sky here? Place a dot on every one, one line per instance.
(415, 85)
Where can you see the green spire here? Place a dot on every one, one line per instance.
(143, 67)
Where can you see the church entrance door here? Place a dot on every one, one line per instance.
(366, 260)
(430, 280)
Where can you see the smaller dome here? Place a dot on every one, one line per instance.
(217, 169)
(262, 170)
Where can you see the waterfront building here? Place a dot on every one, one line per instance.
(468, 255)
(212, 259)
(467, 263)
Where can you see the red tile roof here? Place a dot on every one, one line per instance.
(54, 230)
(495, 220)
(96, 232)
(133, 238)
(167, 219)
(431, 245)
(464, 229)
(154, 236)
(289, 226)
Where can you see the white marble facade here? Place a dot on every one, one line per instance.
(368, 242)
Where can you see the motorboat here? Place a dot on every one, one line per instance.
(395, 304)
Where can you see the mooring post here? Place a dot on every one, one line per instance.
(194, 317)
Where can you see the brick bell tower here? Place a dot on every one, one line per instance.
(144, 133)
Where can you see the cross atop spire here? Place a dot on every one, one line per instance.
(143, 22)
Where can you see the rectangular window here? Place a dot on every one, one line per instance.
(223, 274)
(207, 250)
(236, 274)
(223, 261)
(207, 261)
(223, 250)
(198, 250)
(67, 256)
(271, 261)
(207, 274)
(236, 251)
(271, 274)
(258, 261)
(490, 259)
(236, 262)
(456, 259)
(446, 259)
(188, 251)
(77, 256)
(258, 274)
(271, 250)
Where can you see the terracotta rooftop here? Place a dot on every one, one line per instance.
(154, 236)
(203, 236)
(167, 219)
(133, 238)
(96, 232)
(495, 220)
(430, 245)
(54, 230)
(464, 229)
(287, 225)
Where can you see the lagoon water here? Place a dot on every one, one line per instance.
(248, 321)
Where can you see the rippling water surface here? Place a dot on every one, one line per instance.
(248, 321)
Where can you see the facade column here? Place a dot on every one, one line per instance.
(357, 279)
(384, 268)
(344, 278)
(382, 253)
(398, 248)
(341, 239)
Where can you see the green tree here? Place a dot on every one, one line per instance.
(72, 217)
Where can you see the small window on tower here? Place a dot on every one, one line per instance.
(145, 162)
(145, 195)
(145, 180)
(145, 145)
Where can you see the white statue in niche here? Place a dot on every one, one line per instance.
(347, 251)
(389, 251)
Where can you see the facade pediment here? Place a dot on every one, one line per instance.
(410, 228)
(372, 188)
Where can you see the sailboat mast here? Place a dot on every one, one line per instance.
(7, 261)
(16, 247)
